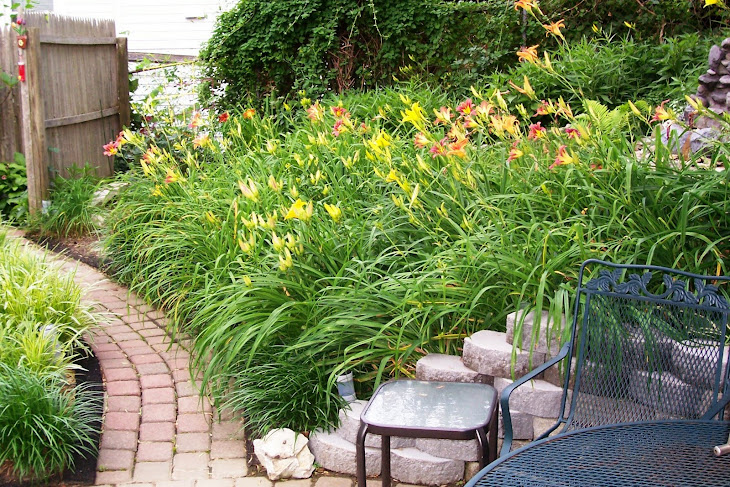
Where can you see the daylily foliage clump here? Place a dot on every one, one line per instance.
(380, 226)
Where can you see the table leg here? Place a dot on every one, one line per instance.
(484, 446)
(385, 462)
(360, 454)
(493, 426)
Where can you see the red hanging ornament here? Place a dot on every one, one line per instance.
(21, 71)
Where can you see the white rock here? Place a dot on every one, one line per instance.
(284, 454)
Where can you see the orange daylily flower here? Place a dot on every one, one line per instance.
(526, 5)
(315, 112)
(457, 148)
(661, 113)
(249, 113)
(528, 54)
(515, 153)
(554, 28)
(466, 107)
(537, 131)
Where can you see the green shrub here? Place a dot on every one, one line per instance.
(43, 423)
(261, 47)
(13, 188)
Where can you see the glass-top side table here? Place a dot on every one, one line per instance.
(428, 409)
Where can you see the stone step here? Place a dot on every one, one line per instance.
(488, 353)
(536, 398)
(333, 452)
(408, 465)
(350, 424)
(447, 368)
(467, 450)
(413, 466)
(526, 332)
(522, 425)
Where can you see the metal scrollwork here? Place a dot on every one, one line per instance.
(676, 290)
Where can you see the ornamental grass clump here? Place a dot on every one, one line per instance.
(379, 227)
(45, 420)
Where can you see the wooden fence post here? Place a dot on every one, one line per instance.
(125, 113)
(32, 121)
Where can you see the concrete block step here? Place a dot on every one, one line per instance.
(467, 450)
(488, 353)
(522, 425)
(408, 465)
(413, 466)
(537, 397)
(350, 423)
(335, 453)
(528, 325)
(447, 368)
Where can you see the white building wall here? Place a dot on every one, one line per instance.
(154, 26)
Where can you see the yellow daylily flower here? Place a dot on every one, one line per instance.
(334, 212)
(300, 210)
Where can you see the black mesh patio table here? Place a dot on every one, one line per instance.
(661, 453)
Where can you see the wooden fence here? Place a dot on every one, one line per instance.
(75, 97)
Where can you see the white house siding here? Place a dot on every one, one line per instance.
(154, 26)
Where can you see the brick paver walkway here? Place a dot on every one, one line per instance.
(157, 431)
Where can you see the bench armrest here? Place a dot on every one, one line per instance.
(504, 397)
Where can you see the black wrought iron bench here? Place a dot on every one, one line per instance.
(644, 399)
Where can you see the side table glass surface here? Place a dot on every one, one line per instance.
(451, 406)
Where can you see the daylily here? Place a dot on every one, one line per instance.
(315, 112)
(415, 115)
(544, 108)
(514, 152)
(300, 211)
(439, 148)
(443, 115)
(334, 212)
(223, 117)
(196, 121)
(554, 28)
(572, 133)
(338, 128)
(484, 109)
(661, 113)
(249, 189)
(339, 112)
(563, 157)
(420, 140)
(526, 89)
(171, 177)
(466, 107)
(537, 131)
(277, 242)
(457, 148)
(528, 54)
(285, 261)
(249, 113)
(274, 184)
(202, 140)
(525, 4)
(110, 149)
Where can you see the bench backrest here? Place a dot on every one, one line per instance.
(649, 344)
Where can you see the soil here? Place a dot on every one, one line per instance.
(84, 248)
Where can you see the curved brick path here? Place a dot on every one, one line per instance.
(157, 432)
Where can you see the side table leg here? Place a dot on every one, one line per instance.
(484, 446)
(385, 462)
(493, 426)
(360, 454)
